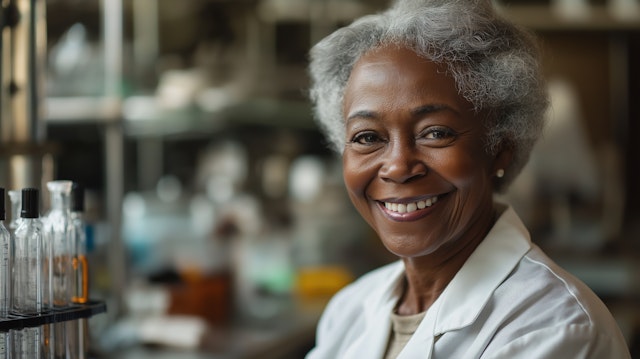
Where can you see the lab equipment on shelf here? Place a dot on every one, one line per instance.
(29, 328)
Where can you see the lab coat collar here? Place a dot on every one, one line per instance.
(460, 303)
(378, 308)
(488, 266)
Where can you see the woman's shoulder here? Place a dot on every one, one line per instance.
(545, 287)
(344, 317)
(375, 280)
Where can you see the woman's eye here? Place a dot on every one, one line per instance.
(366, 138)
(439, 134)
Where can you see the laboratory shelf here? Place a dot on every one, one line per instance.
(76, 311)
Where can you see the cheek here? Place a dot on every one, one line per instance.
(358, 173)
(355, 179)
(464, 169)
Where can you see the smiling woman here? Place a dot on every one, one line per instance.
(435, 106)
(411, 138)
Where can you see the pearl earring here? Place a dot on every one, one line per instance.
(500, 173)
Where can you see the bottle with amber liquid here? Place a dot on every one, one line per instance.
(77, 330)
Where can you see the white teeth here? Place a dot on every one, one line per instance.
(410, 207)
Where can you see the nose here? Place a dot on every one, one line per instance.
(402, 163)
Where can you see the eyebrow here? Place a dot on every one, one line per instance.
(427, 109)
(363, 114)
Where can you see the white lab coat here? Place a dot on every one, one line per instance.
(508, 301)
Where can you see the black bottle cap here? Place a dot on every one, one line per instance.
(30, 203)
(2, 208)
(77, 197)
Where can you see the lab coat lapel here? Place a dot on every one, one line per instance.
(469, 291)
(372, 343)
(466, 295)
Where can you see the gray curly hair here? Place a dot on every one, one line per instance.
(493, 62)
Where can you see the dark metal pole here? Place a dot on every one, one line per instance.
(22, 128)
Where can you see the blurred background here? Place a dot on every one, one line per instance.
(218, 222)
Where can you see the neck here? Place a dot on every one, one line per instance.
(427, 276)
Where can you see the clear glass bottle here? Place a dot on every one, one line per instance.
(58, 237)
(5, 278)
(58, 240)
(5, 261)
(58, 232)
(28, 276)
(28, 257)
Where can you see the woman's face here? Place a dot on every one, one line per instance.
(414, 162)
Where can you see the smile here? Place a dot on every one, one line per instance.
(410, 206)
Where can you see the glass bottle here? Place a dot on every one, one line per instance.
(61, 277)
(80, 288)
(57, 239)
(5, 261)
(77, 330)
(5, 277)
(28, 257)
(28, 276)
